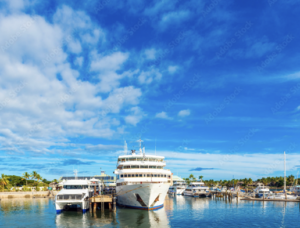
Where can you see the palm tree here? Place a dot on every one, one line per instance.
(55, 181)
(191, 176)
(34, 174)
(38, 177)
(26, 176)
(4, 181)
(200, 177)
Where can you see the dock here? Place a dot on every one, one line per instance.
(103, 201)
(262, 199)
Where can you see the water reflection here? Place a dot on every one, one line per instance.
(176, 212)
(140, 218)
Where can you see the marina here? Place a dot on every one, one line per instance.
(211, 212)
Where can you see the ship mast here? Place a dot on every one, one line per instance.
(125, 147)
(75, 173)
(284, 174)
(141, 152)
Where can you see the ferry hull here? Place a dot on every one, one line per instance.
(146, 196)
(60, 206)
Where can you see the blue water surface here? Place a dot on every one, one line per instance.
(179, 211)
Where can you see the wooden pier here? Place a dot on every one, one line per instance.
(264, 199)
(102, 202)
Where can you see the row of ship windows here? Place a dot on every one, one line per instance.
(131, 183)
(142, 175)
(141, 167)
(140, 159)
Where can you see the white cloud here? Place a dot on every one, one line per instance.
(147, 77)
(38, 110)
(240, 165)
(172, 69)
(298, 108)
(162, 115)
(136, 116)
(174, 17)
(79, 61)
(150, 53)
(184, 113)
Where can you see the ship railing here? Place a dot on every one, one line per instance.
(70, 197)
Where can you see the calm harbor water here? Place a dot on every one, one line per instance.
(179, 211)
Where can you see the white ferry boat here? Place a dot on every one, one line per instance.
(262, 191)
(75, 194)
(197, 189)
(142, 181)
(178, 187)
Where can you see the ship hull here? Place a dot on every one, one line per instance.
(146, 196)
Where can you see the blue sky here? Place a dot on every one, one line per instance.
(215, 84)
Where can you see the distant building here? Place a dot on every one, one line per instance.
(109, 181)
(177, 178)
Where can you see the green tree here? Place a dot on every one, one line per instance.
(38, 177)
(200, 177)
(34, 175)
(4, 181)
(26, 176)
(191, 177)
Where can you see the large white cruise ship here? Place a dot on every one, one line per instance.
(142, 181)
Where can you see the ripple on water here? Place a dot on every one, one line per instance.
(179, 211)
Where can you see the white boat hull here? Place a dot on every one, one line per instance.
(61, 205)
(147, 192)
(188, 193)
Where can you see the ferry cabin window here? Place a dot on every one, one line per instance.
(132, 159)
(136, 175)
(140, 175)
(75, 186)
(121, 175)
(127, 167)
(152, 167)
(129, 175)
(151, 159)
(139, 159)
(144, 167)
(125, 175)
(135, 167)
(148, 175)
(165, 175)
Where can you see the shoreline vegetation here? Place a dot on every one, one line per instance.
(25, 183)
(271, 182)
(34, 182)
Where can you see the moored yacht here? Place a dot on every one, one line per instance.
(197, 189)
(142, 181)
(261, 191)
(178, 187)
(75, 194)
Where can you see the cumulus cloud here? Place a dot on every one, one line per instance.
(150, 53)
(136, 116)
(43, 100)
(147, 77)
(172, 69)
(162, 115)
(184, 113)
